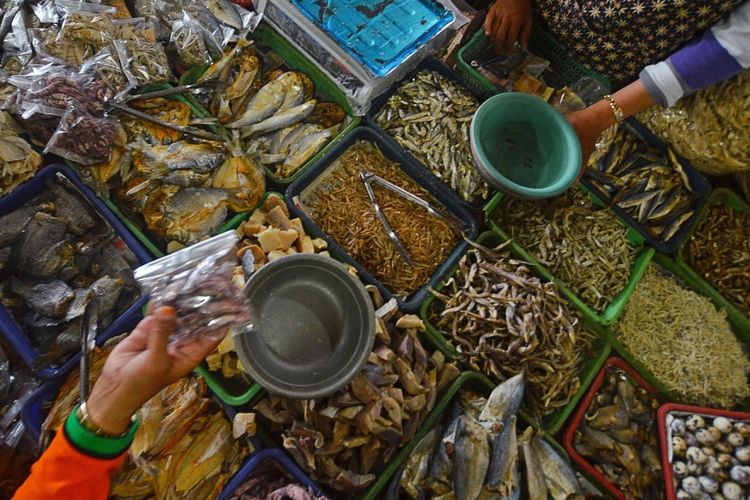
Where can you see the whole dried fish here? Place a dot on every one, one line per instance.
(430, 116)
(719, 250)
(651, 185)
(18, 161)
(609, 446)
(504, 320)
(581, 244)
(685, 342)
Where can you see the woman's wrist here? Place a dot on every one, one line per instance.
(109, 410)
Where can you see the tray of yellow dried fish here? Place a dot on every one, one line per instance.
(171, 190)
(428, 114)
(349, 439)
(333, 201)
(593, 257)
(647, 184)
(288, 112)
(681, 341)
(495, 316)
(716, 256)
(184, 436)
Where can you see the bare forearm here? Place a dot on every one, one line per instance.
(632, 99)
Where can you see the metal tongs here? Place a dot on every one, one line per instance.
(368, 179)
(89, 327)
(121, 104)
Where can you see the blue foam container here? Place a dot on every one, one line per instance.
(8, 325)
(413, 169)
(381, 34)
(255, 460)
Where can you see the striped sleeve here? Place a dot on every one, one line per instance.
(720, 53)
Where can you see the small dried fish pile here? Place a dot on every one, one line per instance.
(685, 342)
(18, 161)
(57, 256)
(346, 214)
(581, 244)
(710, 456)
(184, 447)
(505, 321)
(430, 117)
(270, 482)
(276, 111)
(618, 437)
(477, 453)
(651, 186)
(343, 439)
(708, 128)
(719, 250)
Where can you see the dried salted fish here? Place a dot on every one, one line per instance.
(618, 437)
(430, 116)
(504, 320)
(18, 161)
(344, 439)
(685, 342)
(719, 250)
(581, 244)
(651, 185)
(183, 448)
(346, 214)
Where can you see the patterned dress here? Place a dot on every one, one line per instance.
(618, 38)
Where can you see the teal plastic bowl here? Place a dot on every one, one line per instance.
(523, 146)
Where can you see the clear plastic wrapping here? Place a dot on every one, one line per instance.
(197, 282)
(143, 62)
(188, 43)
(83, 137)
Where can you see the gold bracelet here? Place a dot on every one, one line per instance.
(616, 109)
(82, 414)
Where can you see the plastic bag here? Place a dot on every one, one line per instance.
(83, 137)
(136, 28)
(197, 282)
(589, 89)
(565, 100)
(188, 43)
(105, 65)
(17, 41)
(143, 62)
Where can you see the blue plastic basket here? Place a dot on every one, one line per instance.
(414, 170)
(8, 325)
(380, 34)
(255, 460)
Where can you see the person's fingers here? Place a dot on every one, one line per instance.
(526, 33)
(489, 22)
(500, 33)
(510, 40)
(160, 329)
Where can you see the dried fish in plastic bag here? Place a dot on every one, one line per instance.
(83, 138)
(197, 282)
(106, 66)
(143, 62)
(187, 41)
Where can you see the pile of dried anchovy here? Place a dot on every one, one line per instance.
(720, 252)
(505, 320)
(342, 439)
(347, 215)
(581, 244)
(685, 342)
(430, 117)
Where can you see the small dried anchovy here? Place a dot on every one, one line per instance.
(430, 117)
(581, 244)
(505, 320)
(147, 62)
(719, 250)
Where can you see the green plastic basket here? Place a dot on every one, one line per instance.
(614, 308)
(542, 44)
(740, 321)
(554, 422)
(295, 60)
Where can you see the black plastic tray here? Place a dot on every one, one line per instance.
(699, 183)
(413, 169)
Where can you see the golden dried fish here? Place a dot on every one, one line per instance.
(345, 439)
(581, 244)
(18, 161)
(504, 320)
(685, 342)
(430, 117)
(719, 250)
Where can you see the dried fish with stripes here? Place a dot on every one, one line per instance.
(581, 244)
(504, 320)
(345, 439)
(652, 186)
(430, 117)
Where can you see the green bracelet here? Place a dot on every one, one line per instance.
(94, 445)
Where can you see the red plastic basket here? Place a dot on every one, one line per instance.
(661, 417)
(578, 416)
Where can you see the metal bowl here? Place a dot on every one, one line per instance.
(313, 327)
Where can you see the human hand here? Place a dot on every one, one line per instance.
(140, 366)
(589, 123)
(509, 21)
